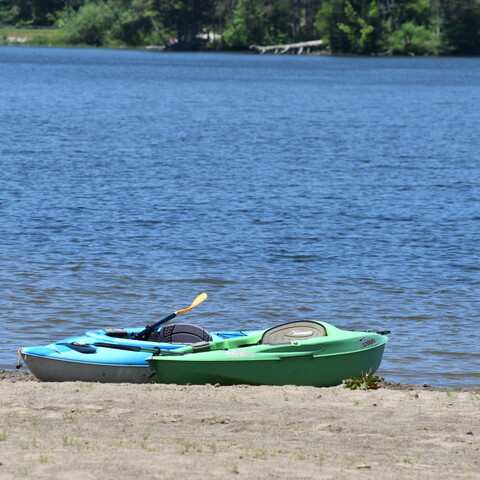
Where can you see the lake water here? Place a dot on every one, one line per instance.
(286, 187)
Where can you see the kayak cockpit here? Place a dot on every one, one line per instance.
(288, 332)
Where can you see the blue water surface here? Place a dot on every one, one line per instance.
(286, 187)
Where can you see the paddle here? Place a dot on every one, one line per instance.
(130, 348)
(148, 330)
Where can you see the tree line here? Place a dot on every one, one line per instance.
(364, 27)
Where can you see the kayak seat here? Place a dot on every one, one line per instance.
(288, 332)
(183, 333)
(116, 332)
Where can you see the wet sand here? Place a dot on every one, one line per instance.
(82, 431)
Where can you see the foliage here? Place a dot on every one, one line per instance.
(365, 27)
(258, 22)
(91, 24)
(366, 382)
(326, 24)
(30, 36)
(414, 29)
(414, 39)
(462, 26)
(358, 27)
(401, 27)
(108, 23)
(29, 12)
(248, 25)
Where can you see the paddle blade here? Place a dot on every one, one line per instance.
(198, 300)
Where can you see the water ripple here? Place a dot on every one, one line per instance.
(342, 190)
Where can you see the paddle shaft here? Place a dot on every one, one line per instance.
(130, 348)
(149, 329)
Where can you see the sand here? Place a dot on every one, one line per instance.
(83, 431)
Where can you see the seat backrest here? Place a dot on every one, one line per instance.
(184, 333)
(291, 331)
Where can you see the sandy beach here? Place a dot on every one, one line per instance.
(83, 431)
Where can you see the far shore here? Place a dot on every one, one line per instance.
(80, 430)
(25, 40)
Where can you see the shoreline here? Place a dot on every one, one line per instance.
(25, 375)
(156, 431)
(160, 49)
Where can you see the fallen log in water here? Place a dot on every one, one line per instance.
(297, 48)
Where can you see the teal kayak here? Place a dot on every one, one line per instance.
(115, 355)
(110, 355)
(297, 353)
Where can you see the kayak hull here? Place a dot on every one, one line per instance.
(48, 369)
(320, 362)
(321, 371)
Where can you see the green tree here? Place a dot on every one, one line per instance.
(328, 17)
(414, 39)
(248, 25)
(185, 17)
(410, 27)
(91, 24)
(461, 26)
(109, 23)
(263, 22)
(30, 12)
(349, 26)
(358, 26)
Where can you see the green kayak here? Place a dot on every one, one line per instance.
(297, 353)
